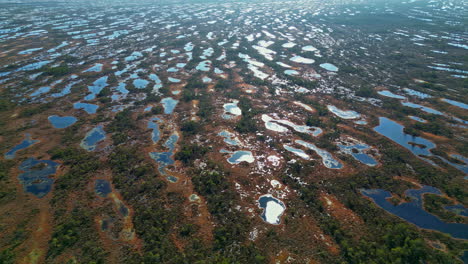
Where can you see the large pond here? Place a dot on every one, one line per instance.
(417, 145)
(414, 212)
(62, 121)
(273, 209)
(27, 142)
(35, 177)
(394, 131)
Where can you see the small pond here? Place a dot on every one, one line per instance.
(35, 177)
(273, 209)
(241, 156)
(329, 67)
(88, 108)
(92, 138)
(388, 93)
(96, 88)
(102, 188)
(169, 105)
(343, 113)
(156, 134)
(358, 152)
(62, 121)
(327, 159)
(27, 142)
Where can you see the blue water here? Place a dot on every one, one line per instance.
(96, 68)
(423, 108)
(263, 200)
(418, 119)
(414, 213)
(96, 88)
(464, 258)
(387, 93)
(34, 66)
(169, 105)
(156, 134)
(460, 167)
(174, 80)
(102, 188)
(62, 122)
(66, 90)
(41, 90)
(455, 103)
(64, 43)
(155, 78)
(206, 80)
(291, 72)
(188, 47)
(458, 209)
(416, 93)
(121, 88)
(394, 131)
(89, 108)
(117, 34)
(229, 138)
(135, 55)
(171, 141)
(123, 210)
(36, 179)
(92, 138)
(164, 159)
(27, 142)
(28, 51)
(329, 67)
(360, 156)
(172, 179)
(3, 74)
(140, 83)
(234, 159)
(172, 69)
